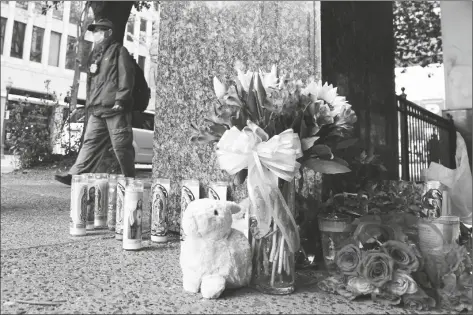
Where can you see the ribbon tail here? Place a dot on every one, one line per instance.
(260, 202)
(284, 218)
(281, 213)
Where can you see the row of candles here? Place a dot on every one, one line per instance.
(117, 203)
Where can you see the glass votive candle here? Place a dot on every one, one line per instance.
(335, 229)
(218, 190)
(132, 216)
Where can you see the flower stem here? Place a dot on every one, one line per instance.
(274, 266)
(258, 248)
(273, 244)
(281, 254)
(265, 261)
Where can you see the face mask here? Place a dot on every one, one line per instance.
(99, 36)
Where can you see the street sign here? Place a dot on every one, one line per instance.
(7, 115)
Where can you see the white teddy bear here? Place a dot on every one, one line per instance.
(214, 256)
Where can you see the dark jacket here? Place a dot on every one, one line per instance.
(113, 81)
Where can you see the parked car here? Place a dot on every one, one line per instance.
(143, 131)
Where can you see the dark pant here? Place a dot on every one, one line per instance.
(99, 133)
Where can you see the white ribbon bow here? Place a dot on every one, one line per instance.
(266, 160)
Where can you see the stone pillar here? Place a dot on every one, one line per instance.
(202, 39)
(457, 42)
(47, 38)
(9, 29)
(456, 19)
(358, 58)
(149, 33)
(153, 56)
(136, 36)
(28, 32)
(3, 105)
(65, 33)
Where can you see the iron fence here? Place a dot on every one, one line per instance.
(424, 137)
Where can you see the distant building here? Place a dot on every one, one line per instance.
(37, 47)
(424, 86)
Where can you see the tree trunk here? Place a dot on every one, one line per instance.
(117, 12)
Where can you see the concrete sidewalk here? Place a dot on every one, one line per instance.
(92, 274)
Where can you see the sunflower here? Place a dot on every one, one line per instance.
(328, 94)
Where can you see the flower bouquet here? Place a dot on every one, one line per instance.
(268, 127)
(380, 260)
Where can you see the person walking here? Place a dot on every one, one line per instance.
(110, 82)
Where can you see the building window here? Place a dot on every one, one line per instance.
(22, 4)
(130, 29)
(38, 7)
(54, 46)
(37, 44)
(76, 12)
(141, 62)
(143, 30)
(58, 10)
(2, 31)
(18, 39)
(143, 25)
(71, 52)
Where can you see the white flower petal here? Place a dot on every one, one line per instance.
(219, 88)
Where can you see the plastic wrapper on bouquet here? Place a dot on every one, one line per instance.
(382, 261)
(457, 181)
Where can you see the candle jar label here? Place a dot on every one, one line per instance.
(147, 207)
(159, 221)
(112, 205)
(432, 199)
(132, 219)
(78, 207)
(90, 206)
(189, 192)
(119, 208)
(218, 191)
(101, 200)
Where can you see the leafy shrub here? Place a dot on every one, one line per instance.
(29, 134)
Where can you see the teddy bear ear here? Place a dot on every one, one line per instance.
(233, 207)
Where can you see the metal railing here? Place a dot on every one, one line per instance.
(424, 137)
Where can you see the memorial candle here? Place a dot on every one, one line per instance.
(133, 213)
(78, 205)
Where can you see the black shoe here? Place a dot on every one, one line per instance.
(65, 179)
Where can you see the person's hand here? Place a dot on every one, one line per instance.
(117, 107)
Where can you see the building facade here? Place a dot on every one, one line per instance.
(37, 47)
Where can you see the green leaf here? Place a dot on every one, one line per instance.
(218, 129)
(204, 138)
(307, 143)
(346, 143)
(321, 150)
(340, 161)
(325, 166)
(239, 88)
(240, 177)
(260, 93)
(252, 103)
